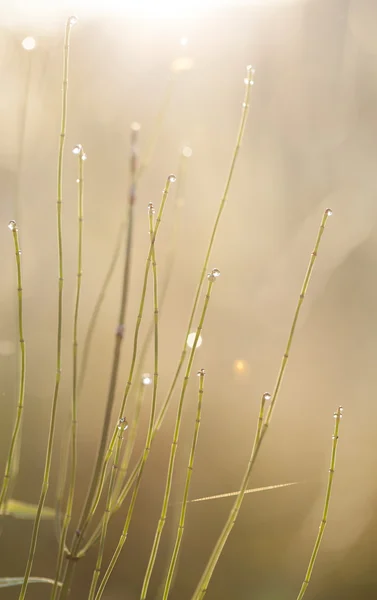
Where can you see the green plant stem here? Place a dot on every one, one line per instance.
(47, 469)
(73, 433)
(106, 517)
(86, 517)
(261, 430)
(145, 455)
(335, 437)
(152, 231)
(161, 415)
(96, 484)
(15, 439)
(182, 517)
(101, 297)
(64, 451)
(174, 446)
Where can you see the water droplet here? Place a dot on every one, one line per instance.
(187, 151)
(77, 149)
(151, 209)
(250, 69)
(73, 20)
(248, 81)
(267, 397)
(77, 180)
(328, 212)
(28, 43)
(122, 424)
(215, 273)
(12, 225)
(135, 126)
(146, 379)
(201, 372)
(245, 105)
(172, 178)
(191, 339)
(84, 156)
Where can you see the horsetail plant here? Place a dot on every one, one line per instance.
(215, 273)
(46, 476)
(249, 81)
(79, 152)
(263, 425)
(89, 511)
(95, 487)
(147, 448)
(122, 426)
(182, 517)
(337, 415)
(21, 397)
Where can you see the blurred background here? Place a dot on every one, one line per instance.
(309, 144)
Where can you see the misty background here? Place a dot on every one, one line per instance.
(309, 144)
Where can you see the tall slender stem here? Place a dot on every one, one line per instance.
(46, 476)
(245, 109)
(89, 512)
(73, 434)
(261, 429)
(335, 437)
(161, 523)
(21, 396)
(182, 517)
(122, 426)
(147, 448)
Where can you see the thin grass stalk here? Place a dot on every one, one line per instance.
(73, 433)
(145, 455)
(74, 554)
(46, 476)
(15, 439)
(131, 438)
(161, 523)
(87, 512)
(337, 415)
(122, 426)
(261, 431)
(152, 229)
(245, 109)
(182, 517)
(64, 451)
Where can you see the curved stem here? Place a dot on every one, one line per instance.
(261, 430)
(182, 518)
(73, 433)
(161, 415)
(46, 476)
(174, 446)
(15, 439)
(106, 518)
(335, 437)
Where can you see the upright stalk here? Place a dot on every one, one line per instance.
(182, 518)
(46, 476)
(245, 109)
(73, 434)
(15, 439)
(122, 426)
(161, 523)
(337, 415)
(145, 455)
(89, 511)
(261, 430)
